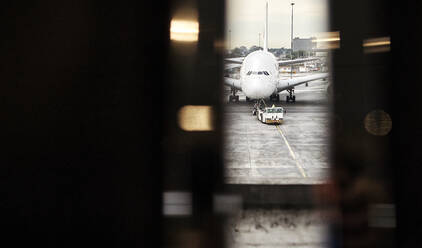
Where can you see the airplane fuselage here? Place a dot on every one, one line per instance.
(259, 75)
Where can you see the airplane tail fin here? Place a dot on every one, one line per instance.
(266, 28)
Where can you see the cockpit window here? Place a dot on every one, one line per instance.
(257, 73)
(274, 110)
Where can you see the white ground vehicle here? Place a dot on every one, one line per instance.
(271, 115)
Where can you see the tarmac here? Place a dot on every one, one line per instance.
(295, 152)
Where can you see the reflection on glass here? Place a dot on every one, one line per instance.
(183, 30)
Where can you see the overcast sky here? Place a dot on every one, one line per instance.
(245, 19)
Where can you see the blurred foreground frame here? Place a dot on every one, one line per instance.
(80, 165)
(192, 140)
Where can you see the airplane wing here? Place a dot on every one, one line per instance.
(231, 66)
(285, 84)
(232, 63)
(238, 60)
(234, 83)
(294, 61)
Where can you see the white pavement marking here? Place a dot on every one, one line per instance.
(249, 152)
(302, 171)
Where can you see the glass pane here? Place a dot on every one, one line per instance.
(266, 158)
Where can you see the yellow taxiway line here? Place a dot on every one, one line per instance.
(302, 171)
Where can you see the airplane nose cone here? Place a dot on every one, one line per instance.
(256, 88)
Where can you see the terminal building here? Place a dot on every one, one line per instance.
(306, 45)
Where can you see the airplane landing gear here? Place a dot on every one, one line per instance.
(255, 108)
(275, 98)
(258, 104)
(291, 97)
(233, 97)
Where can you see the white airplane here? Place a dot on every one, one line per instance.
(259, 75)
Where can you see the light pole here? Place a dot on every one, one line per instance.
(291, 44)
(259, 40)
(230, 39)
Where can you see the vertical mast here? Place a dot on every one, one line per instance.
(291, 45)
(291, 33)
(266, 28)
